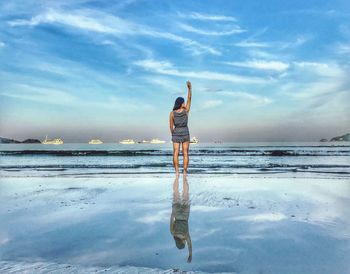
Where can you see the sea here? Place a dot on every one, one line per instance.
(330, 159)
(251, 208)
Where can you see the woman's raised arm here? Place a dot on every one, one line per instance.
(189, 96)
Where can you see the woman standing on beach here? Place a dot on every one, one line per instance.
(179, 129)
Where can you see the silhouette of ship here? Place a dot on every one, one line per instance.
(143, 142)
(194, 140)
(157, 141)
(57, 141)
(95, 142)
(127, 142)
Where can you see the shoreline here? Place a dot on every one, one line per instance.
(59, 268)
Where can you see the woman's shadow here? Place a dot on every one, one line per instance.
(180, 215)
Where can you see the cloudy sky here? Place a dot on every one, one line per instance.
(261, 70)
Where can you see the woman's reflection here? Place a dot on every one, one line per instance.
(179, 216)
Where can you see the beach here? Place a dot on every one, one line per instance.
(99, 98)
(113, 214)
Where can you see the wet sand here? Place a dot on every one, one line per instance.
(122, 224)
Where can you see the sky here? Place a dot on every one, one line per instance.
(261, 70)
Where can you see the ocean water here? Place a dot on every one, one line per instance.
(301, 159)
(254, 208)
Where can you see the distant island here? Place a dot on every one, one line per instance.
(12, 141)
(342, 138)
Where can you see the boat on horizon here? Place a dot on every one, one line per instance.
(143, 142)
(127, 142)
(194, 140)
(95, 142)
(157, 141)
(56, 141)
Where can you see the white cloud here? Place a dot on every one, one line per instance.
(310, 89)
(164, 67)
(261, 54)
(322, 88)
(343, 48)
(240, 95)
(189, 28)
(99, 22)
(211, 104)
(320, 69)
(43, 95)
(2, 44)
(73, 71)
(165, 83)
(82, 19)
(196, 47)
(299, 41)
(52, 96)
(261, 65)
(208, 17)
(246, 44)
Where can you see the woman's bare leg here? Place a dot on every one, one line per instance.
(176, 150)
(185, 148)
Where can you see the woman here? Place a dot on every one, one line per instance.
(179, 217)
(179, 129)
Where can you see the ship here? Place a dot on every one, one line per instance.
(95, 142)
(194, 140)
(52, 141)
(143, 142)
(127, 142)
(157, 141)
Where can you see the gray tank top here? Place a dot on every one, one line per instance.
(180, 123)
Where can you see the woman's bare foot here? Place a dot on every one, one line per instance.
(184, 172)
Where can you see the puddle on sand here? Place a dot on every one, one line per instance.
(228, 224)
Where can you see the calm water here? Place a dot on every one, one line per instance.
(236, 225)
(302, 159)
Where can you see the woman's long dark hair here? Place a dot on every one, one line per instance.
(178, 103)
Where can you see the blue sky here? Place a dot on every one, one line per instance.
(261, 70)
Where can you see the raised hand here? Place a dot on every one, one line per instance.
(189, 96)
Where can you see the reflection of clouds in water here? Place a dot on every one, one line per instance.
(264, 217)
(154, 217)
(321, 203)
(232, 222)
(232, 251)
(249, 237)
(291, 206)
(203, 208)
(201, 233)
(94, 256)
(3, 238)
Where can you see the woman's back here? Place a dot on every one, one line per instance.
(181, 132)
(180, 118)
